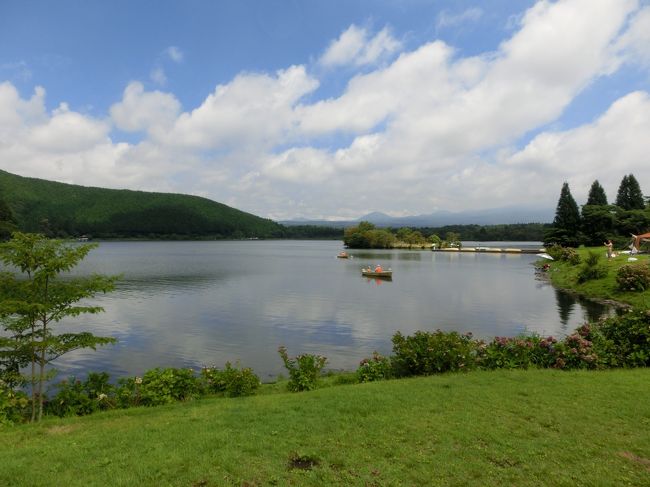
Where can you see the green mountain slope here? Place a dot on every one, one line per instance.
(69, 210)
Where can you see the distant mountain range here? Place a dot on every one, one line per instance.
(490, 216)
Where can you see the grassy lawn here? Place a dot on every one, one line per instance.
(524, 428)
(564, 275)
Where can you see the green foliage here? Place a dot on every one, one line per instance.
(366, 236)
(520, 352)
(565, 254)
(633, 277)
(567, 216)
(164, 386)
(626, 339)
(304, 370)
(591, 268)
(597, 196)
(598, 223)
(630, 196)
(231, 381)
(72, 210)
(34, 301)
(79, 398)
(13, 404)
(427, 353)
(375, 368)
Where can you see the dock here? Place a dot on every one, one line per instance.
(491, 250)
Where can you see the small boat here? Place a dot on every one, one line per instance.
(343, 255)
(379, 274)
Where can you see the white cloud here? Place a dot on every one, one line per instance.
(447, 19)
(158, 76)
(415, 134)
(175, 54)
(354, 47)
(635, 43)
(145, 111)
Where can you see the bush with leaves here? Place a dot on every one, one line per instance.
(375, 368)
(591, 268)
(304, 370)
(625, 339)
(78, 398)
(427, 353)
(566, 254)
(521, 352)
(633, 277)
(231, 381)
(158, 386)
(13, 404)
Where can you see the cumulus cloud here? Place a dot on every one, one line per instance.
(354, 47)
(145, 111)
(430, 129)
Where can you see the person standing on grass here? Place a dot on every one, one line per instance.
(610, 248)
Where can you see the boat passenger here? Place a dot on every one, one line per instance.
(378, 268)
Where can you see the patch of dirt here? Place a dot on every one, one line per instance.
(302, 462)
(636, 459)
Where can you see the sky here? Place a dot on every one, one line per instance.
(329, 109)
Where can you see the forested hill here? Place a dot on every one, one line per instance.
(69, 210)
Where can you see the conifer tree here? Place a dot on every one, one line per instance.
(597, 195)
(629, 196)
(566, 225)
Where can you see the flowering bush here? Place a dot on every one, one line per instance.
(78, 398)
(158, 386)
(520, 352)
(633, 277)
(427, 353)
(375, 368)
(232, 381)
(626, 339)
(304, 370)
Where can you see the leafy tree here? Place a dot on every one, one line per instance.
(7, 220)
(598, 223)
(35, 300)
(629, 196)
(597, 195)
(566, 225)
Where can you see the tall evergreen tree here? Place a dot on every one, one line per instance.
(597, 195)
(566, 225)
(629, 196)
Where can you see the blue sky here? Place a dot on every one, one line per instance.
(329, 109)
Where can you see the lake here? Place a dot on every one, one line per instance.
(204, 303)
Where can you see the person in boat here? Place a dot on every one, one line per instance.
(378, 268)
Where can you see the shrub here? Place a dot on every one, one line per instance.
(633, 277)
(13, 404)
(626, 339)
(520, 352)
(375, 368)
(158, 386)
(231, 381)
(304, 370)
(591, 268)
(566, 254)
(427, 353)
(79, 398)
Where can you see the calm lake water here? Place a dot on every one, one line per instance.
(205, 303)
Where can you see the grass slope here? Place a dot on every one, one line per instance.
(565, 276)
(524, 428)
(76, 210)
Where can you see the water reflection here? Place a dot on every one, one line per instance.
(567, 304)
(205, 303)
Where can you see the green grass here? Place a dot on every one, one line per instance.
(565, 276)
(524, 428)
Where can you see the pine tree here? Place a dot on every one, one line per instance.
(596, 195)
(629, 196)
(566, 225)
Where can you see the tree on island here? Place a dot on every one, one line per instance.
(629, 196)
(566, 225)
(34, 300)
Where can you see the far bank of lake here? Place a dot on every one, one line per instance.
(205, 303)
